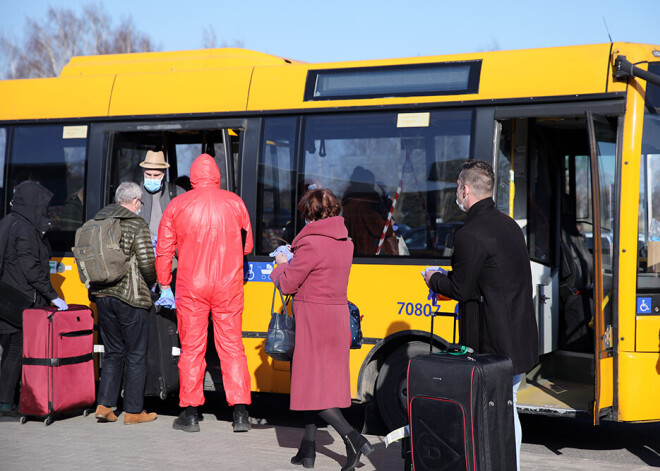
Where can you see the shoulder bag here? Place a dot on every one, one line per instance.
(281, 335)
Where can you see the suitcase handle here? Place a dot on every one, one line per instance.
(454, 348)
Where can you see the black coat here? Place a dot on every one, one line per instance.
(26, 259)
(491, 259)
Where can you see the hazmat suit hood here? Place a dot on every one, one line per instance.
(31, 201)
(204, 173)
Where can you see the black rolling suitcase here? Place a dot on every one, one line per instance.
(460, 411)
(162, 354)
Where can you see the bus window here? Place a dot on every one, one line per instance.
(371, 160)
(53, 155)
(276, 185)
(181, 148)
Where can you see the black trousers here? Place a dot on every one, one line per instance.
(12, 362)
(125, 334)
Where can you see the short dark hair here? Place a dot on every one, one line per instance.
(479, 175)
(319, 204)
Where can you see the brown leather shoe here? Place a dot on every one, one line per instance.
(105, 414)
(144, 416)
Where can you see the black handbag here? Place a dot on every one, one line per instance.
(12, 301)
(356, 327)
(281, 335)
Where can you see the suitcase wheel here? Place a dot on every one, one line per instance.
(23, 419)
(48, 420)
(162, 395)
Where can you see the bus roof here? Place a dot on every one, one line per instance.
(238, 80)
(153, 62)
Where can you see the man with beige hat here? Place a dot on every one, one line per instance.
(156, 192)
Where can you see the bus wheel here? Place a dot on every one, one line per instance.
(391, 384)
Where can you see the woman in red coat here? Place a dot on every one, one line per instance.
(317, 276)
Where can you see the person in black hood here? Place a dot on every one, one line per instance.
(26, 268)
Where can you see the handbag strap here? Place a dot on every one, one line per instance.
(284, 301)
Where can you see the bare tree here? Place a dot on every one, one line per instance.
(210, 40)
(50, 42)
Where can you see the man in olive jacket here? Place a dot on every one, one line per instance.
(490, 259)
(123, 309)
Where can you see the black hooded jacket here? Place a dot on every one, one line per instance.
(25, 264)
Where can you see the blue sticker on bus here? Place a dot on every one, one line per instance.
(644, 305)
(259, 271)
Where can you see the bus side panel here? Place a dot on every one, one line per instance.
(639, 383)
(648, 335)
(66, 281)
(266, 374)
(181, 92)
(55, 98)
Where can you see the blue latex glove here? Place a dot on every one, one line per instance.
(154, 243)
(166, 299)
(433, 297)
(284, 249)
(61, 305)
(427, 269)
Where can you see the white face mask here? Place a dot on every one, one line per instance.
(461, 206)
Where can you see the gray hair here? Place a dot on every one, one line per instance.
(127, 192)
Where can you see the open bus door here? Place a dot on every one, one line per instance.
(556, 178)
(602, 147)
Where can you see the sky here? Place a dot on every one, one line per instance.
(339, 30)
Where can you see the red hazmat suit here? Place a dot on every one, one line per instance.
(204, 226)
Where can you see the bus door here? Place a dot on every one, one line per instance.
(555, 177)
(603, 151)
(126, 145)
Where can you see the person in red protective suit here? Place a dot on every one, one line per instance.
(209, 229)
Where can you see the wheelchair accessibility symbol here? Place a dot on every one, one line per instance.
(644, 305)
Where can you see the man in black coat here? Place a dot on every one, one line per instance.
(490, 259)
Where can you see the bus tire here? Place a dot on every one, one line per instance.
(391, 384)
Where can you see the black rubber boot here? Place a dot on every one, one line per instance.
(241, 420)
(306, 454)
(187, 420)
(356, 445)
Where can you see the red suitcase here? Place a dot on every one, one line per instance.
(58, 367)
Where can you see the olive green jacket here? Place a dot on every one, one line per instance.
(134, 287)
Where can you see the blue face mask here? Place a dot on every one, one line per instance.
(153, 184)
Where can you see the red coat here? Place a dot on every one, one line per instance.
(317, 276)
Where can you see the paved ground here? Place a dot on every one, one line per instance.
(80, 443)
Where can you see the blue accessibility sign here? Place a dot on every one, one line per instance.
(644, 305)
(259, 271)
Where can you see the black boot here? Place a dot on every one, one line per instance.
(306, 454)
(356, 445)
(187, 420)
(241, 421)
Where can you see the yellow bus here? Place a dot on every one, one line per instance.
(573, 134)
